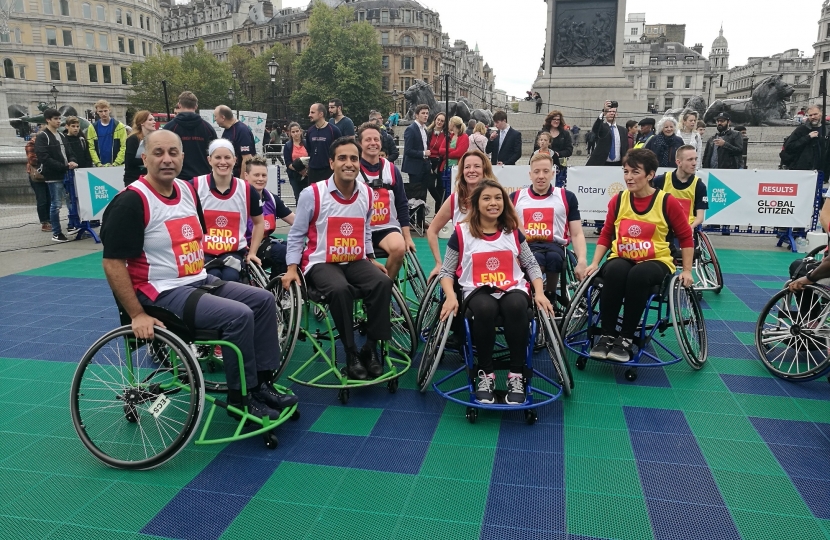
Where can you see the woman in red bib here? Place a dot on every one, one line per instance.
(635, 232)
(489, 256)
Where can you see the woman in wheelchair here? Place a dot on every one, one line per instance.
(635, 232)
(488, 254)
(272, 253)
(473, 167)
(227, 203)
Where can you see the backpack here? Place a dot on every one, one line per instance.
(786, 158)
(31, 160)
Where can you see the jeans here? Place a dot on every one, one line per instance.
(56, 194)
(41, 190)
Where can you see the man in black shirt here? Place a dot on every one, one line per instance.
(195, 135)
(318, 138)
(153, 256)
(240, 135)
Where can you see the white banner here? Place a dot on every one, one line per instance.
(254, 120)
(95, 189)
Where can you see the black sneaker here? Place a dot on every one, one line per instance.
(354, 369)
(601, 349)
(256, 408)
(72, 229)
(621, 351)
(60, 237)
(369, 359)
(268, 395)
(485, 387)
(515, 389)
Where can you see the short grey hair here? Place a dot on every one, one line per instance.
(663, 121)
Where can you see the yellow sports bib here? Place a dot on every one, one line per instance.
(685, 196)
(641, 237)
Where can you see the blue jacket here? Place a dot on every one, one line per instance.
(414, 161)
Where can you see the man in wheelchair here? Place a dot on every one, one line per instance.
(390, 208)
(271, 251)
(334, 216)
(550, 221)
(153, 256)
(636, 232)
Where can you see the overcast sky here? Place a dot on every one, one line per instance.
(752, 27)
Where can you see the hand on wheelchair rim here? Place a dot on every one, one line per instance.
(251, 258)
(143, 326)
(289, 277)
(686, 278)
(798, 284)
(450, 306)
(543, 303)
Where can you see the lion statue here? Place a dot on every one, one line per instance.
(421, 92)
(695, 104)
(763, 108)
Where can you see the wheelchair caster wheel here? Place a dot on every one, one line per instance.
(130, 413)
(295, 416)
(530, 417)
(343, 396)
(631, 375)
(271, 441)
(392, 386)
(580, 363)
(472, 414)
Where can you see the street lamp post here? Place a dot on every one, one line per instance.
(395, 99)
(54, 92)
(231, 93)
(232, 99)
(272, 71)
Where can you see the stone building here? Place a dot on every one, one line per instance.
(795, 70)
(213, 21)
(821, 50)
(82, 48)
(717, 76)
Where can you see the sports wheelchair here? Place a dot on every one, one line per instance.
(670, 306)
(411, 280)
(320, 370)
(135, 404)
(706, 267)
(436, 333)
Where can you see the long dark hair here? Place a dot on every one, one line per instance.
(507, 221)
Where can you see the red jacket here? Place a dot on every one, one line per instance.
(460, 149)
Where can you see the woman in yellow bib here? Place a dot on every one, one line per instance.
(636, 228)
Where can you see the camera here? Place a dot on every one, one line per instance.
(376, 183)
(614, 105)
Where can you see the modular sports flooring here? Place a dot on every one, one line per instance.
(726, 452)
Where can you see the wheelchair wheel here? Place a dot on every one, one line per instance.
(403, 329)
(257, 275)
(792, 335)
(689, 326)
(709, 276)
(817, 253)
(415, 275)
(288, 315)
(581, 306)
(433, 350)
(136, 404)
(556, 350)
(568, 283)
(430, 308)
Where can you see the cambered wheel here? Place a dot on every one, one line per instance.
(689, 326)
(580, 363)
(568, 283)
(576, 318)
(415, 275)
(631, 374)
(708, 265)
(472, 415)
(130, 410)
(556, 350)
(343, 395)
(257, 275)
(288, 305)
(392, 386)
(530, 417)
(403, 329)
(271, 441)
(430, 309)
(433, 351)
(818, 252)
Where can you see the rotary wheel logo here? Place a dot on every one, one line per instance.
(537, 216)
(375, 195)
(634, 231)
(221, 222)
(267, 226)
(615, 188)
(492, 264)
(187, 232)
(346, 229)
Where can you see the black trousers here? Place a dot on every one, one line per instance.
(632, 282)
(512, 307)
(342, 284)
(42, 199)
(435, 185)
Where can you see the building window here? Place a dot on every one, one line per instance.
(47, 7)
(688, 82)
(299, 46)
(51, 36)
(141, 23)
(652, 81)
(129, 18)
(827, 34)
(107, 74)
(93, 73)
(825, 56)
(384, 17)
(634, 31)
(8, 68)
(384, 62)
(407, 62)
(87, 9)
(384, 83)
(797, 79)
(21, 72)
(17, 36)
(631, 60)
(631, 78)
(54, 71)
(384, 38)
(361, 15)
(407, 16)
(64, 4)
(120, 44)
(652, 61)
(670, 82)
(669, 102)
(125, 78)
(436, 66)
(131, 46)
(67, 38)
(70, 72)
(426, 40)
(406, 41)
(90, 41)
(406, 82)
(103, 42)
(118, 18)
(704, 86)
(5, 38)
(102, 15)
(426, 64)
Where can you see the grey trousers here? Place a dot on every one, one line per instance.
(246, 316)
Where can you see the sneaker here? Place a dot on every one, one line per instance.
(217, 352)
(515, 389)
(354, 369)
(369, 359)
(486, 385)
(600, 350)
(60, 237)
(621, 351)
(72, 229)
(268, 395)
(45, 227)
(260, 409)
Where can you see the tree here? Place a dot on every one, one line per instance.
(343, 60)
(145, 77)
(252, 75)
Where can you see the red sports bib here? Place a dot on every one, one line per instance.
(494, 268)
(636, 240)
(538, 224)
(344, 239)
(380, 206)
(186, 240)
(222, 227)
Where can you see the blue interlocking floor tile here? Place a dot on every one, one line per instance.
(494, 532)
(185, 515)
(390, 455)
(673, 520)
(817, 389)
(792, 432)
(656, 420)
(802, 462)
(748, 384)
(326, 449)
(520, 436)
(679, 483)
(816, 494)
(537, 469)
(224, 475)
(530, 507)
(646, 376)
(404, 425)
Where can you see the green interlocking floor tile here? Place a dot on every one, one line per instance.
(781, 407)
(747, 338)
(339, 524)
(703, 401)
(62, 494)
(41, 370)
(596, 442)
(603, 393)
(605, 476)
(648, 396)
(775, 286)
(825, 524)
(372, 491)
(299, 483)
(12, 388)
(739, 456)
(732, 314)
(86, 266)
(722, 426)
(414, 528)
(815, 410)
(460, 462)
(347, 420)
(684, 377)
(69, 531)
(762, 493)
(441, 498)
(453, 428)
(176, 473)
(124, 506)
(766, 526)
(47, 391)
(732, 366)
(16, 483)
(607, 516)
(265, 518)
(26, 529)
(595, 415)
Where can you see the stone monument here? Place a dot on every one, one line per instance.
(13, 184)
(582, 64)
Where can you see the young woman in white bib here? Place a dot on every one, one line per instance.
(489, 256)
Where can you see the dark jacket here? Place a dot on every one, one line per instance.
(196, 135)
(563, 146)
(602, 132)
(49, 155)
(510, 151)
(414, 161)
(80, 148)
(388, 146)
(287, 152)
(133, 165)
(729, 155)
(804, 152)
(665, 159)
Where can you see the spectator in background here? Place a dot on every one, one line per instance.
(55, 158)
(633, 128)
(538, 99)
(318, 138)
(78, 143)
(107, 138)
(665, 142)
(688, 132)
(336, 117)
(416, 157)
(611, 139)
(725, 148)
(471, 126)
(803, 149)
(505, 146)
(388, 145)
(701, 129)
(561, 144)
(39, 186)
(240, 135)
(542, 145)
(459, 143)
(293, 150)
(143, 125)
(646, 132)
(745, 141)
(575, 134)
(196, 135)
(801, 115)
(478, 140)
